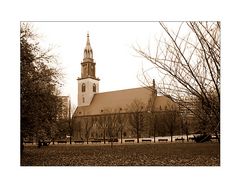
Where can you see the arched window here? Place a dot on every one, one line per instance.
(94, 87)
(83, 87)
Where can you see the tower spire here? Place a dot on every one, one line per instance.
(88, 84)
(88, 64)
(88, 53)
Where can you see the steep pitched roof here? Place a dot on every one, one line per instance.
(114, 100)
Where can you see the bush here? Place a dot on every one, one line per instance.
(202, 138)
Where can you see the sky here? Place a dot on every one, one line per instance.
(117, 64)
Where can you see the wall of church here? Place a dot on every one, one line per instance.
(85, 96)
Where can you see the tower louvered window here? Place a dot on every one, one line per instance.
(94, 87)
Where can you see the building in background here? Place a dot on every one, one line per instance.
(64, 112)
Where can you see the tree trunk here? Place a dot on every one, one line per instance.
(121, 135)
(154, 132)
(86, 138)
(104, 136)
(216, 134)
(39, 143)
(112, 142)
(154, 136)
(137, 136)
(22, 145)
(187, 134)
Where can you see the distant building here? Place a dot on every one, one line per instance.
(64, 112)
(112, 114)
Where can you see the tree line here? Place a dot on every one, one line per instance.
(137, 122)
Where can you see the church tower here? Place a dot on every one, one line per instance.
(88, 84)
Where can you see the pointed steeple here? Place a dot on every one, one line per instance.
(88, 53)
(88, 64)
(88, 84)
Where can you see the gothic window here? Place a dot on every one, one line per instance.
(83, 87)
(94, 87)
(83, 100)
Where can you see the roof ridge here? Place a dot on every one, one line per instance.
(123, 90)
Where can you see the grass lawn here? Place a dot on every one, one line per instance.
(169, 154)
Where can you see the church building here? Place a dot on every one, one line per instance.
(118, 114)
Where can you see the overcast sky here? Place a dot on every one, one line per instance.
(117, 64)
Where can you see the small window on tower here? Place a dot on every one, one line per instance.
(83, 87)
(94, 87)
(83, 100)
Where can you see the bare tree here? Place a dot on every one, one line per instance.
(185, 129)
(121, 119)
(71, 109)
(87, 124)
(156, 118)
(171, 119)
(103, 125)
(136, 117)
(112, 127)
(110, 124)
(189, 69)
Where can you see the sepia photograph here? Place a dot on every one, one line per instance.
(120, 93)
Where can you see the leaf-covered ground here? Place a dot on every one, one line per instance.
(170, 154)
